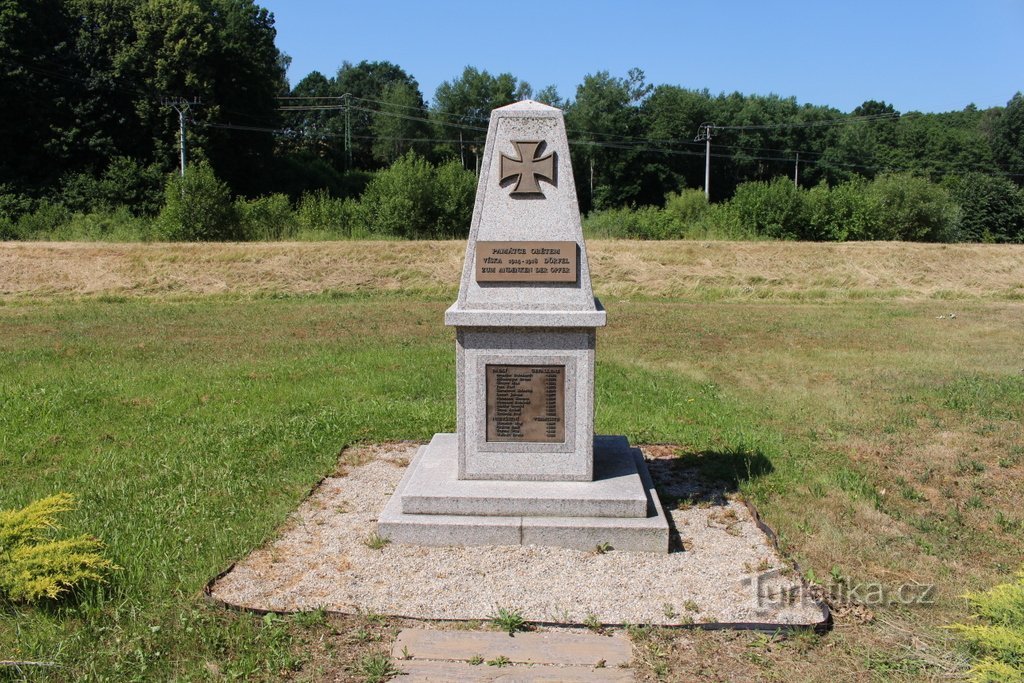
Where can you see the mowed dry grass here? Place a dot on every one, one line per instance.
(683, 269)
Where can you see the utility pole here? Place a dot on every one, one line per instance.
(796, 171)
(346, 102)
(704, 134)
(591, 182)
(183, 107)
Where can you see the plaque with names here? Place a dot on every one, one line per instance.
(526, 403)
(526, 262)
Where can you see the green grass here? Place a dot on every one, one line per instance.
(189, 429)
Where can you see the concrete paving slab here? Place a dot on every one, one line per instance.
(460, 672)
(546, 647)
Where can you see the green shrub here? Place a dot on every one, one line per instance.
(117, 225)
(13, 205)
(720, 222)
(992, 209)
(845, 212)
(398, 202)
(44, 222)
(267, 218)
(412, 199)
(318, 213)
(124, 183)
(773, 209)
(454, 193)
(34, 566)
(644, 223)
(197, 207)
(913, 209)
(687, 206)
(997, 642)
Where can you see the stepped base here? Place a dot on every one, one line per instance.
(619, 508)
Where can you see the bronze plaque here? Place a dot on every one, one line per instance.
(526, 262)
(526, 403)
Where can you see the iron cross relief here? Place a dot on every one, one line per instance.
(528, 167)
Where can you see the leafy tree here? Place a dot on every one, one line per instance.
(549, 95)
(1008, 138)
(606, 121)
(462, 106)
(37, 74)
(672, 116)
(366, 84)
(992, 207)
(400, 125)
(99, 69)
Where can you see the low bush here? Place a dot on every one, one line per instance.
(413, 199)
(198, 207)
(267, 218)
(320, 214)
(33, 565)
(772, 209)
(997, 640)
(992, 209)
(913, 209)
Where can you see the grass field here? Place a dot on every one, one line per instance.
(190, 396)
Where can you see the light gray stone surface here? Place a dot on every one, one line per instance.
(471, 318)
(641, 534)
(526, 323)
(499, 215)
(435, 489)
(570, 460)
(440, 530)
(649, 534)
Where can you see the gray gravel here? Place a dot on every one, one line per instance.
(320, 560)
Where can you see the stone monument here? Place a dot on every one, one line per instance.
(524, 466)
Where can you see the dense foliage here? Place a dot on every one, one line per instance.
(99, 78)
(37, 566)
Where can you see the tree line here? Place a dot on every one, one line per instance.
(90, 129)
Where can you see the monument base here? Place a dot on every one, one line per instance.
(620, 507)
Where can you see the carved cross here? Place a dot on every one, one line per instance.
(527, 167)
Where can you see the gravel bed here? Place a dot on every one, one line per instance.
(320, 560)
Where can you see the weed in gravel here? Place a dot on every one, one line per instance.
(603, 547)
(593, 623)
(509, 620)
(375, 541)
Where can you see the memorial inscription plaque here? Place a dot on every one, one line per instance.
(526, 262)
(526, 403)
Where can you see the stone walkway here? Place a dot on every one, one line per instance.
(432, 655)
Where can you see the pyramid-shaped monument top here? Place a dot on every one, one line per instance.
(526, 262)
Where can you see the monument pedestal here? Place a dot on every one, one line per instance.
(432, 506)
(524, 466)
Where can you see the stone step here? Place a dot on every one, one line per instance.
(435, 488)
(546, 647)
(435, 655)
(638, 534)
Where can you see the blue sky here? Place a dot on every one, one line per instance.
(919, 56)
